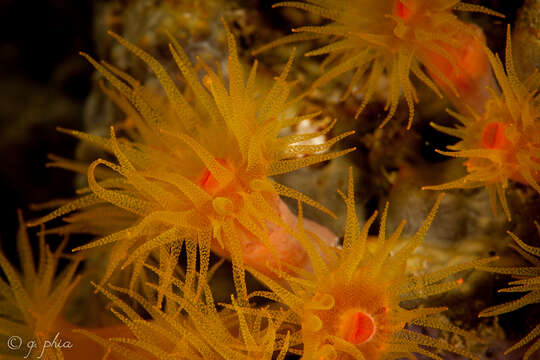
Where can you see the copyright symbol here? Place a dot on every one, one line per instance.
(14, 343)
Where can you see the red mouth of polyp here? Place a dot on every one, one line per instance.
(402, 11)
(494, 136)
(361, 327)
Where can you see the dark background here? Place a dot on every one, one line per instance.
(44, 83)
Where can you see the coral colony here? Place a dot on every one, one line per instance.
(192, 171)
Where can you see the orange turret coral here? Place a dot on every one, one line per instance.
(529, 282)
(190, 327)
(166, 334)
(503, 142)
(188, 169)
(391, 37)
(33, 300)
(350, 307)
(197, 168)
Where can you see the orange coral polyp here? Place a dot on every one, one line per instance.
(358, 326)
(499, 137)
(350, 307)
(377, 38)
(196, 169)
(360, 320)
(494, 136)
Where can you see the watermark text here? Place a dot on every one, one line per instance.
(16, 343)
